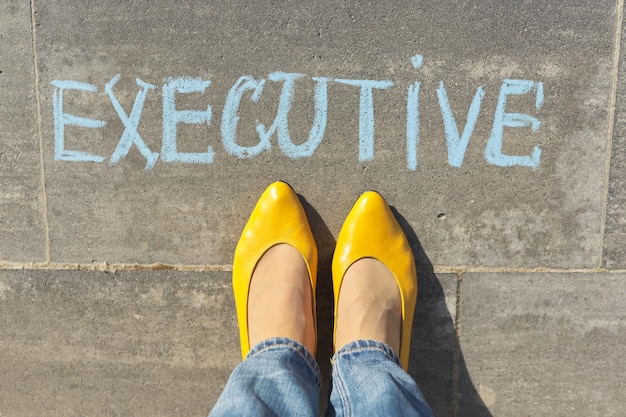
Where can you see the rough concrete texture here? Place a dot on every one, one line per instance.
(22, 233)
(615, 233)
(118, 344)
(477, 215)
(542, 345)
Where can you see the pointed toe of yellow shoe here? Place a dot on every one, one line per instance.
(372, 231)
(278, 217)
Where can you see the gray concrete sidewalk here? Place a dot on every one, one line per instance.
(136, 136)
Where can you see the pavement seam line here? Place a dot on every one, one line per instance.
(457, 346)
(44, 196)
(157, 266)
(112, 267)
(612, 102)
(506, 270)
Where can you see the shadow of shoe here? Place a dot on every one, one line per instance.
(324, 296)
(437, 362)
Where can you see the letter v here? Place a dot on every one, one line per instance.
(457, 145)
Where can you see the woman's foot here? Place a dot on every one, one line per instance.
(370, 306)
(280, 299)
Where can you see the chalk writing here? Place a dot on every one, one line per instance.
(366, 114)
(457, 140)
(172, 117)
(493, 151)
(62, 119)
(458, 145)
(130, 135)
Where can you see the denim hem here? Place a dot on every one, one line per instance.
(367, 345)
(275, 343)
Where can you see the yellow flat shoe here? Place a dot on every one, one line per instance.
(278, 217)
(372, 231)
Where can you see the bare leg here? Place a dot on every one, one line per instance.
(279, 301)
(370, 306)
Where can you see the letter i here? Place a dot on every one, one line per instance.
(412, 118)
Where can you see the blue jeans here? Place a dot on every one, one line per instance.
(279, 377)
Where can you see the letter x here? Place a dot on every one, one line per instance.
(130, 135)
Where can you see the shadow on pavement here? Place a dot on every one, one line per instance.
(434, 344)
(324, 296)
(437, 362)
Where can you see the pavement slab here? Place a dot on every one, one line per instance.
(77, 343)
(22, 232)
(542, 345)
(384, 102)
(615, 232)
(163, 343)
